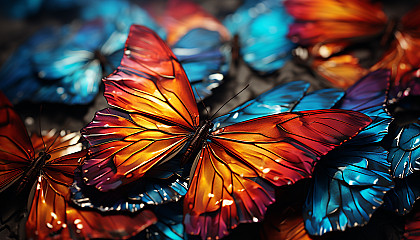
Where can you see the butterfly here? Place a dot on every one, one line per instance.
(349, 182)
(233, 168)
(331, 28)
(198, 40)
(65, 64)
(169, 185)
(48, 162)
(261, 27)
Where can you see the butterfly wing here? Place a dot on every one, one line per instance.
(51, 216)
(350, 181)
(402, 197)
(329, 21)
(277, 100)
(16, 150)
(203, 58)
(230, 181)
(404, 154)
(152, 87)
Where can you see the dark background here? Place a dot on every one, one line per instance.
(14, 32)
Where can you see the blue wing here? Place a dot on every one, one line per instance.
(348, 185)
(202, 55)
(320, 99)
(169, 225)
(288, 97)
(402, 197)
(122, 14)
(404, 153)
(350, 182)
(277, 100)
(262, 27)
(131, 198)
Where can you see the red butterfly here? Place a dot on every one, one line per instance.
(233, 168)
(328, 27)
(24, 161)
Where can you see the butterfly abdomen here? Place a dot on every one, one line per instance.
(33, 171)
(196, 142)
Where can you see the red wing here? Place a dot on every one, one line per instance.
(124, 147)
(181, 16)
(151, 81)
(281, 149)
(16, 151)
(51, 216)
(325, 21)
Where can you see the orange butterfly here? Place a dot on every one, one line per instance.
(25, 161)
(233, 168)
(329, 27)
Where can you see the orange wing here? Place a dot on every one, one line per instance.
(326, 21)
(151, 81)
(229, 181)
(124, 147)
(404, 53)
(341, 71)
(16, 151)
(52, 217)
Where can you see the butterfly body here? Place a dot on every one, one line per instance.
(33, 171)
(198, 138)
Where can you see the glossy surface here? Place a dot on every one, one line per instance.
(350, 182)
(230, 181)
(404, 154)
(402, 197)
(287, 97)
(50, 214)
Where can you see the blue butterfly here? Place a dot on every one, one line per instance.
(350, 182)
(65, 65)
(262, 27)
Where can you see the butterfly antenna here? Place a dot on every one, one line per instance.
(201, 100)
(243, 89)
(39, 126)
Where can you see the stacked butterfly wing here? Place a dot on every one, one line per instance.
(231, 171)
(48, 163)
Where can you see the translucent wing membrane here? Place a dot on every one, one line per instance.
(280, 149)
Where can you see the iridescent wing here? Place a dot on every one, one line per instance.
(131, 197)
(262, 27)
(277, 100)
(16, 151)
(404, 154)
(287, 97)
(152, 87)
(51, 214)
(230, 180)
(348, 187)
(402, 197)
(198, 41)
(350, 181)
(169, 225)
